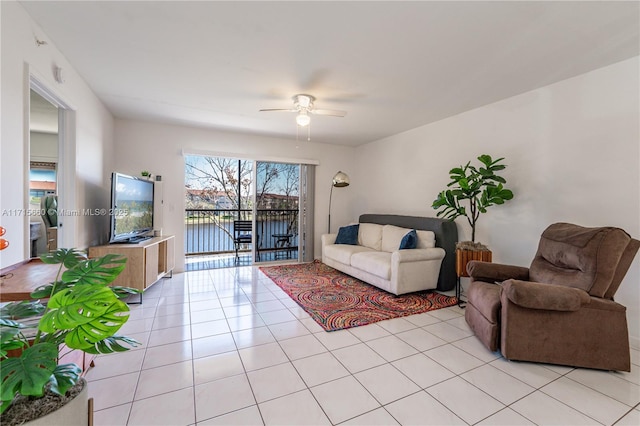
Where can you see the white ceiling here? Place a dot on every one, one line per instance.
(392, 65)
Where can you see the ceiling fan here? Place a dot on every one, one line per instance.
(303, 105)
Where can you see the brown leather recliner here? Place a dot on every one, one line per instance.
(560, 310)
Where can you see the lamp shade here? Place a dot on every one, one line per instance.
(340, 180)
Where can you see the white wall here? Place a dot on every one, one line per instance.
(158, 148)
(94, 134)
(573, 155)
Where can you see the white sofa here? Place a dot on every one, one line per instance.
(377, 260)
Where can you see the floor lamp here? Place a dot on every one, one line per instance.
(340, 180)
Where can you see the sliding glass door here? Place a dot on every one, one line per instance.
(277, 211)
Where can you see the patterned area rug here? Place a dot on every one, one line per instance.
(337, 301)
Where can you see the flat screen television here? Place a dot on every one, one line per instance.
(131, 209)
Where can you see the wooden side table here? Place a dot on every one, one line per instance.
(462, 258)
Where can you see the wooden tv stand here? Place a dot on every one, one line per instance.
(147, 261)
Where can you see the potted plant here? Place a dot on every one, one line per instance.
(82, 313)
(145, 174)
(472, 191)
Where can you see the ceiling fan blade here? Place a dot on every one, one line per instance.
(332, 112)
(279, 109)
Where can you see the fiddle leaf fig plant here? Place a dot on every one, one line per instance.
(473, 189)
(83, 312)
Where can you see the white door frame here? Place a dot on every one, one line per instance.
(66, 180)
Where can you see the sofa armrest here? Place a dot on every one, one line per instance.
(328, 239)
(417, 255)
(492, 272)
(548, 297)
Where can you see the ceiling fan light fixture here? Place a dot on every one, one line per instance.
(303, 119)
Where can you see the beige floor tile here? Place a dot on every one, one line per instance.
(118, 415)
(217, 367)
(173, 408)
(386, 383)
(454, 359)
(344, 399)
(415, 408)
(319, 369)
(262, 356)
(222, 397)
(467, 401)
(377, 417)
(115, 364)
(303, 346)
(274, 382)
(596, 405)
(506, 417)
(167, 378)
(167, 354)
(358, 357)
(212, 345)
(299, 408)
(252, 337)
(249, 416)
(544, 410)
(113, 391)
(288, 330)
(503, 387)
(391, 348)
(420, 339)
(422, 370)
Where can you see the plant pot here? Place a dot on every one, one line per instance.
(464, 256)
(77, 412)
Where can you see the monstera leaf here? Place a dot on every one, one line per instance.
(88, 313)
(95, 271)
(62, 256)
(64, 377)
(83, 312)
(26, 374)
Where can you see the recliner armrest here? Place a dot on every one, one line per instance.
(492, 272)
(548, 297)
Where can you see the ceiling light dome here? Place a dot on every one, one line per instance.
(303, 119)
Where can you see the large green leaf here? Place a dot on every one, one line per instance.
(64, 377)
(112, 344)
(102, 270)
(89, 313)
(68, 257)
(23, 309)
(29, 373)
(47, 290)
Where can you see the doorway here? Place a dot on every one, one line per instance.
(43, 170)
(50, 153)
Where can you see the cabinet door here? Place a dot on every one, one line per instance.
(151, 264)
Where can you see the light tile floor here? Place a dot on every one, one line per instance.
(228, 346)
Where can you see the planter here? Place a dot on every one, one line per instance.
(76, 412)
(464, 256)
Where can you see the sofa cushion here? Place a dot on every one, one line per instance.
(370, 235)
(374, 262)
(409, 241)
(342, 252)
(392, 237)
(426, 239)
(348, 235)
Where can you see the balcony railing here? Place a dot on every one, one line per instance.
(210, 231)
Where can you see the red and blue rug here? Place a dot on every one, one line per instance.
(337, 301)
